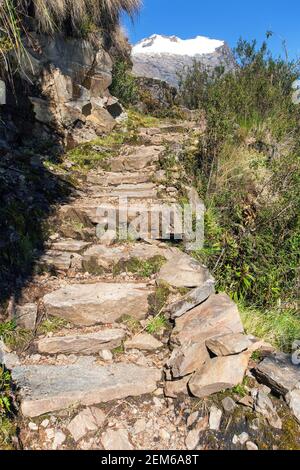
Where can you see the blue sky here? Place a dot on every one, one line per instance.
(221, 19)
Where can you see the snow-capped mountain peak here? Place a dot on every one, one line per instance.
(158, 44)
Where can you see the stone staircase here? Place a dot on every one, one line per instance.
(105, 293)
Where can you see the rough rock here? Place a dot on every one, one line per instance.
(82, 343)
(44, 389)
(143, 341)
(219, 374)
(176, 388)
(228, 404)
(7, 358)
(192, 439)
(106, 257)
(86, 421)
(278, 372)
(241, 439)
(90, 304)
(116, 440)
(263, 405)
(136, 158)
(191, 300)
(217, 315)
(73, 246)
(251, 446)
(293, 399)
(228, 344)
(60, 260)
(187, 359)
(26, 316)
(71, 81)
(184, 271)
(215, 417)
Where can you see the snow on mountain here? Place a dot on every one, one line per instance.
(158, 44)
(164, 57)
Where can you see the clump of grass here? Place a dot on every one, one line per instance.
(13, 336)
(142, 268)
(52, 325)
(157, 301)
(7, 427)
(157, 324)
(119, 350)
(278, 327)
(131, 323)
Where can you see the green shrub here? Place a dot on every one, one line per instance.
(124, 85)
(247, 171)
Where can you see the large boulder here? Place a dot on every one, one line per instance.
(216, 316)
(70, 79)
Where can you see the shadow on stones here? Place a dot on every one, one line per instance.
(28, 193)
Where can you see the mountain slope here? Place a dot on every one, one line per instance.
(163, 57)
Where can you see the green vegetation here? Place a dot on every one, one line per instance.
(278, 327)
(142, 268)
(15, 337)
(247, 171)
(157, 324)
(52, 325)
(131, 323)
(124, 84)
(7, 428)
(158, 299)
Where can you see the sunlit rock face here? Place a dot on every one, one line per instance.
(164, 57)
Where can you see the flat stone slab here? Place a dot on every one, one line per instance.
(228, 344)
(70, 245)
(143, 341)
(219, 374)
(44, 389)
(216, 316)
(279, 373)
(192, 299)
(184, 271)
(142, 190)
(84, 343)
(114, 179)
(136, 158)
(91, 304)
(106, 257)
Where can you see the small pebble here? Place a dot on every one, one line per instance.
(251, 446)
(33, 426)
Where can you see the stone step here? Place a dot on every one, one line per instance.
(152, 219)
(69, 245)
(142, 190)
(107, 257)
(136, 158)
(82, 343)
(100, 303)
(114, 179)
(44, 389)
(60, 260)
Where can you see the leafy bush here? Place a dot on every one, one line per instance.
(248, 173)
(124, 85)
